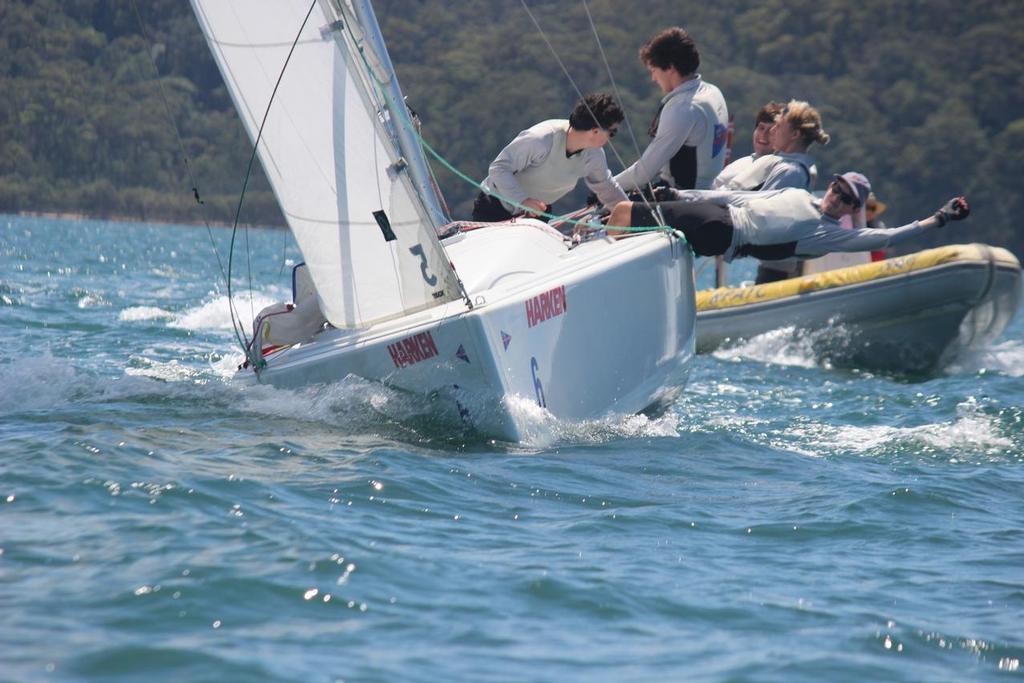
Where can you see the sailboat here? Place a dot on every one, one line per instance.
(492, 317)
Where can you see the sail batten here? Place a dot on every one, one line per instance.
(330, 157)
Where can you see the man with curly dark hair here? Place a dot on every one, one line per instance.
(544, 163)
(691, 127)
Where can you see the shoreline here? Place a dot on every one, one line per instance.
(117, 218)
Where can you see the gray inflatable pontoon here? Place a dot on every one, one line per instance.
(911, 314)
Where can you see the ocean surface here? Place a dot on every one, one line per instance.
(783, 521)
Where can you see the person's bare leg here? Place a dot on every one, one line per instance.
(621, 215)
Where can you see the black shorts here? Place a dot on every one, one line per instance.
(487, 209)
(706, 225)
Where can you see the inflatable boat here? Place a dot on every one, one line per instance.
(911, 314)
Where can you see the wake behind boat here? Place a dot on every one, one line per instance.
(481, 316)
(911, 314)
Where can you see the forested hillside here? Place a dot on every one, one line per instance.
(926, 97)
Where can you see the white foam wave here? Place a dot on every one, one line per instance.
(361, 405)
(357, 405)
(1006, 358)
(971, 433)
(225, 365)
(540, 429)
(314, 404)
(165, 272)
(159, 380)
(137, 313)
(36, 383)
(171, 371)
(784, 346)
(92, 300)
(216, 315)
(46, 382)
(972, 430)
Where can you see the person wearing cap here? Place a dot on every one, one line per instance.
(777, 224)
(762, 145)
(690, 130)
(546, 161)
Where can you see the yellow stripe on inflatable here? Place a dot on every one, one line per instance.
(729, 297)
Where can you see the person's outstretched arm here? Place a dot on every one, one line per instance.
(834, 238)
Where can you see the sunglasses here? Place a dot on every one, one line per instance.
(843, 196)
(611, 131)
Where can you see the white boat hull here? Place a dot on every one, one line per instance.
(901, 318)
(605, 328)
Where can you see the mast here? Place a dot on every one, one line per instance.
(404, 128)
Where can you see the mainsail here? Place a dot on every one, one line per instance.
(330, 150)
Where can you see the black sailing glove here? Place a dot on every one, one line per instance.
(651, 194)
(665, 194)
(956, 209)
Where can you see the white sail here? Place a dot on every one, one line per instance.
(327, 148)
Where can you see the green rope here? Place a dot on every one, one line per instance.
(409, 125)
(516, 204)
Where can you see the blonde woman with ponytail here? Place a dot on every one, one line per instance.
(797, 128)
(793, 131)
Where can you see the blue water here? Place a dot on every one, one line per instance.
(782, 521)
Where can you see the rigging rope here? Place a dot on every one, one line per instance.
(512, 202)
(399, 109)
(615, 87)
(411, 126)
(177, 136)
(256, 357)
(653, 209)
(236, 323)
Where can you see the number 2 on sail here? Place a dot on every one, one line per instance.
(418, 251)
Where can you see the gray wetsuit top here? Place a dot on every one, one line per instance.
(793, 217)
(536, 165)
(793, 169)
(690, 134)
(735, 169)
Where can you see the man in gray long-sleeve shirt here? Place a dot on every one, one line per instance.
(778, 224)
(545, 162)
(690, 130)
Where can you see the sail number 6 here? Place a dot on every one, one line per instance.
(537, 386)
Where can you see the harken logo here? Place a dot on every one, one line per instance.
(550, 304)
(411, 350)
